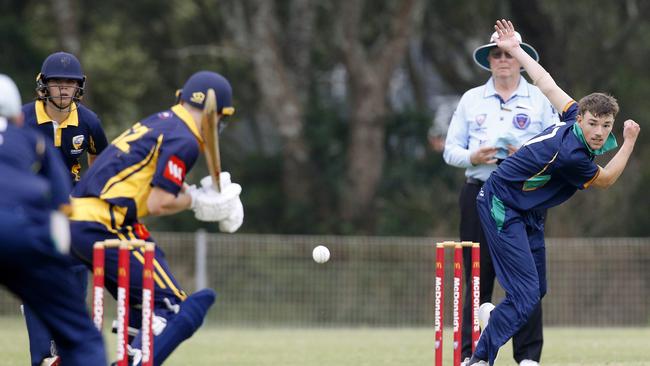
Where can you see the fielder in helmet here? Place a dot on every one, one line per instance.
(75, 131)
(156, 153)
(61, 81)
(59, 114)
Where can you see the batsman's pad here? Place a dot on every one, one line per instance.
(212, 206)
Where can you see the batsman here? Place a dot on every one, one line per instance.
(142, 173)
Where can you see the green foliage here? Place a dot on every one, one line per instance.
(137, 53)
(419, 191)
(119, 76)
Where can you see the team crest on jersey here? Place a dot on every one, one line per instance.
(480, 118)
(77, 141)
(521, 121)
(198, 97)
(165, 115)
(175, 170)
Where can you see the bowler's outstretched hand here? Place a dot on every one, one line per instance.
(507, 40)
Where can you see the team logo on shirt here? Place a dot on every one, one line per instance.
(521, 121)
(480, 118)
(175, 170)
(77, 141)
(76, 172)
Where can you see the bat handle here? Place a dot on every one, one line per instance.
(216, 182)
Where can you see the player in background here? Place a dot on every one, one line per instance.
(35, 236)
(75, 131)
(544, 173)
(491, 122)
(142, 173)
(58, 113)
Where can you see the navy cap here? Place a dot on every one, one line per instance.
(196, 87)
(62, 65)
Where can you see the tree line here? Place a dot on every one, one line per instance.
(334, 97)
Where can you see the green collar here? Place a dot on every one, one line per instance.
(609, 144)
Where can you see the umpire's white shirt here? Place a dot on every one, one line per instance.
(482, 117)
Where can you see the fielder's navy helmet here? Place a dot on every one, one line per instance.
(60, 65)
(196, 88)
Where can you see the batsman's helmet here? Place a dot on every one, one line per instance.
(10, 105)
(60, 65)
(196, 88)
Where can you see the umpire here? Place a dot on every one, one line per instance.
(490, 123)
(35, 235)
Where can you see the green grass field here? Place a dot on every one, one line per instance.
(361, 346)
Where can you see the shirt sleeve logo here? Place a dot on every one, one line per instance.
(165, 115)
(175, 170)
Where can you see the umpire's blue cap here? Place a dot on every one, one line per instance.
(196, 88)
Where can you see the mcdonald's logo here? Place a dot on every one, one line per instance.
(476, 264)
(121, 272)
(99, 271)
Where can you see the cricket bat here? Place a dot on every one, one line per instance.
(210, 132)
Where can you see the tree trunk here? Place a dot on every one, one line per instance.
(67, 22)
(366, 153)
(369, 73)
(281, 96)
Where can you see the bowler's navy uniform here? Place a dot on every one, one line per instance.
(542, 174)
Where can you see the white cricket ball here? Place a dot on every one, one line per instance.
(321, 254)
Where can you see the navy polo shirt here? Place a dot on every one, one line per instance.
(548, 169)
(81, 132)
